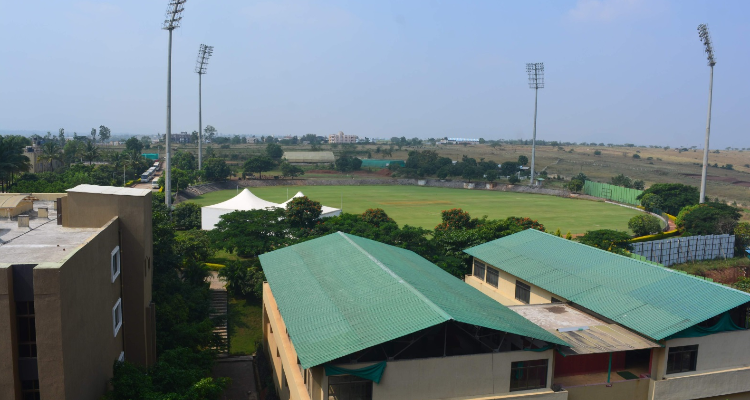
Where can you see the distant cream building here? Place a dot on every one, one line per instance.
(341, 138)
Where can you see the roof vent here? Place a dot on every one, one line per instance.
(23, 221)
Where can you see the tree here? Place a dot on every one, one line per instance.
(146, 141)
(194, 137)
(258, 164)
(93, 135)
(621, 180)
(575, 185)
(491, 175)
(274, 151)
(209, 132)
(513, 179)
(184, 160)
(187, 216)
(509, 168)
(215, 169)
(12, 159)
(104, 133)
(244, 277)
(456, 218)
(133, 144)
(193, 244)
(251, 233)
(290, 171)
(471, 173)
(651, 202)
(523, 160)
(51, 152)
(636, 156)
(347, 163)
(72, 151)
(302, 213)
(674, 196)
(597, 152)
(90, 152)
(607, 239)
(643, 225)
(639, 184)
(708, 219)
(742, 236)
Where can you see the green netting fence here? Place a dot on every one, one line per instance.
(374, 163)
(612, 192)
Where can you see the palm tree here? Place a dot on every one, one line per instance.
(12, 160)
(51, 152)
(91, 151)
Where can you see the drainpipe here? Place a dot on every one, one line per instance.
(609, 368)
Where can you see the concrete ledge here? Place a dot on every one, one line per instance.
(698, 386)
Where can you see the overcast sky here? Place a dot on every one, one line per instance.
(616, 70)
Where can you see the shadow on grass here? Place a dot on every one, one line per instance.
(245, 324)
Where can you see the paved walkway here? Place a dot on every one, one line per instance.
(241, 371)
(219, 307)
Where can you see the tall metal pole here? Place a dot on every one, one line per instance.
(174, 9)
(708, 133)
(709, 49)
(200, 125)
(533, 137)
(168, 138)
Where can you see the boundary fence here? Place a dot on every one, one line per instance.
(612, 192)
(681, 250)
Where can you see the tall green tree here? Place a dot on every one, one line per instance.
(209, 132)
(93, 135)
(215, 169)
(674, 196)
(274, 151)
(259, 164)
(51, 152)
(90, 152)
(607, 239)
(302, 213)
(12, 159)
(134, 144)
(104, 133)
(251, 233)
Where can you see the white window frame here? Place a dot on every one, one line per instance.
(117, 316)
(122, 357)
(115, 268)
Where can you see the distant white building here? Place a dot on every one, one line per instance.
(341, 138)
(459, 141)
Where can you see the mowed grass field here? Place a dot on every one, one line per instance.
(421, 206)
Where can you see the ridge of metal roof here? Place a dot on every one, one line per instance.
(650, 299)
(341, 293)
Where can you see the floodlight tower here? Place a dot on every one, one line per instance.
(536, 82)
(706, 39)
(204, 53)
(172, 21)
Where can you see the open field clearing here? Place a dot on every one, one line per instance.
(421, 206)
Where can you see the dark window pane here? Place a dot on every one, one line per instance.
(523, 292)
(525, 375)
(479, 270)
(492, 276)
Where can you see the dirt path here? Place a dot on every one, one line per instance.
(241, 371)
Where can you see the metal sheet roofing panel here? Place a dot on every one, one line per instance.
(341, 293)
(644, 297)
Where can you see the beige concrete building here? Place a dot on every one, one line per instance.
(14, 204)
(340, 138)
(75, 294)
(676, 336)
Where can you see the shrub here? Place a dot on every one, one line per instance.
(674, 196)
(636, 156)
(643, 225)
(742, 236)
(597, 152)
(513, 179)
(607, 239)
(708, 219)
(575, 185)
(651, 202)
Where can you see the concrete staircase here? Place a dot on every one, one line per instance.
(220, 308)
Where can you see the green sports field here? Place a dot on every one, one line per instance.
(421, 206)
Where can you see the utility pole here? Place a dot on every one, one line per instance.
(706, 39)
(204, 52)
(174, 11)
(536, 82)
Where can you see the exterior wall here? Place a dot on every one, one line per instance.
(703, 385)
(715, 352)
(274, 333)
(341, 138)
(9, 385)
(635, 389)
(75, 338)
(22, 207)
(506, 287)
(455, 377)
(87, 210)
(48, 196)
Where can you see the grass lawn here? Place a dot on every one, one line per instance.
(421, 206)
(245, 325)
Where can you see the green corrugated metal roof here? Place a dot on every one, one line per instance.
(647, 298)
(342, 293)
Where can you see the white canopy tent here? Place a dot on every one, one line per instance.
(246, 201)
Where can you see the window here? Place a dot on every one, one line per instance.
(30, 390)
(479, 269)
(523, 292)
(26, 328)
(682, 359)
(349, 387)
(115, 263)
(117, 316)
(525, 375)
(492, 275)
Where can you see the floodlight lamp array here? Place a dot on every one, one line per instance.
(536, 75)
(173, 14)
(204, 53)
(705, 36)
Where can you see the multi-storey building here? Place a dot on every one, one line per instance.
(75, 294)
(341, 138)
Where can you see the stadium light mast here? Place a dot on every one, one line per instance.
(536, 82)
(204, 53)
(172, 21)
(706, 39)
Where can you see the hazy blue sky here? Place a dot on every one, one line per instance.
(617, 70)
